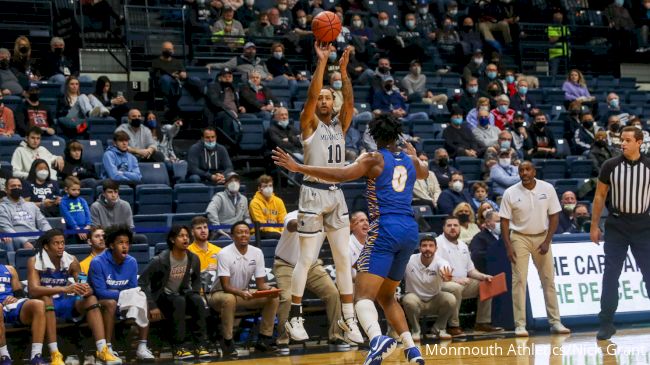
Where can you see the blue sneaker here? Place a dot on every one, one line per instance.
(5, 360)
(37, 360)
(413, 355)
(380, 348)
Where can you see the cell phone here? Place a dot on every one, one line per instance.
(120, 94)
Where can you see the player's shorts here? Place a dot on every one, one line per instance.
(321, 207)
(64, 308)
(12, 314)
(391, 241)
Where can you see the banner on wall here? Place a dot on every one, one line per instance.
(578, 281)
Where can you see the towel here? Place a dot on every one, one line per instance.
(44, 263)
(134, 302)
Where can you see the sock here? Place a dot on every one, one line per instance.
(142, 345)
(296, 310)
(100, 344)
(110, 345)
(37, 349)
(53, 346)
(368, 317)
(4, 351)
(347, 310)
(407, 340)
(227, 342)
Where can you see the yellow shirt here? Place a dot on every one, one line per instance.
(85, 264)
(267, 211)
(206, 257)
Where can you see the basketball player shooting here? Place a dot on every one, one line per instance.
(321, 205)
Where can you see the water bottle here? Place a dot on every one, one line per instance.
(82, 278)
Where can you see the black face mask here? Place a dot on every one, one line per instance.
(388, 87)
(33, 97)
(135, 123)
(167, 53)
(580, 221)
(463, 218)
(494, 92)
(600, 143)
(4, 64)
(588, 124)
(540, 125)
(467, 28)
(15, 193)
(615, 127)
(518, 124)
(383, 69)
(443, 162)
(23, 50)
(58, 51)
(226, 84)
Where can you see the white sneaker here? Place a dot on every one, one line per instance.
(89, 359)
(559, 329)
(521, 332)
(296, 329)
(113, 352)
(352, 334)
(96, 112)
(443, 335)
(72, 360)
(144, 354)
(417, 337)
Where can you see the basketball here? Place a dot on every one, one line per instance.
(326, 26)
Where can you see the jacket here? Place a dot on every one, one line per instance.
(479, 248)
(584, 138)
(457, 140)
(278, 134)
(243, 65)
(248, 98)
(156, 274)
(503, 178)
(573, 91)
(427, 189)
(21, 216)
(598, 155)
(214, 98)
(120, 166)
(449, 199)
(24, 156)
(385, 102)
(75, 211)
(221, 209)
(268, 211)
(107, 278)
(103, 215)
(204, 163)
(78, 168)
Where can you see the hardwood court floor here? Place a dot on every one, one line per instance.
(629, 346)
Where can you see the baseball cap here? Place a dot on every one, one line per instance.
(249, 45)
(224, 71)
(231, 175)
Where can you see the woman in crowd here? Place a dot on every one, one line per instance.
(466, 218)
(41, 190)
(21, 61)
(75, 166)
(575, 88)
(115, 103)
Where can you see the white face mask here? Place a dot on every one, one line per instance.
(267, 191)
(504, 162)
(250, 2)
(423, 10)
(357, 23)
(478, 60)
(457, 186)
(233, 186)
(383, 23)
(282, 7)
(42, 174)
(638, 126)
(497, 229)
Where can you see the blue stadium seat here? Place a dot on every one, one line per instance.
(419, 107)
(436, 222)
(140, 253)
(188, 105)
(562, 185)
(191, 198)
(580, 169)
(80, 251)
(49, 90)
(152, 221)
(563, 148)
(154, 173)
(153, 199)
(183, 218)
(554, 97)
(424, 129)
(554, 169)
(93, 150)
(22, 255)
(627, 83)
(638, 97)
(55, 147)
(429, 146)
(573, 237)
(101, 129)
(7, 149)
(160, 247)
(56, 222)
(88, 194)
(470, 167)
(362, 93)
(126, 193)
(253, 140)
(12, 102)
(355, 195)
(282, 95)
(4, 258)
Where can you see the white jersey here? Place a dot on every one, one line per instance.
(325, 148)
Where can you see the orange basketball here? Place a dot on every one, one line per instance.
(326, 26)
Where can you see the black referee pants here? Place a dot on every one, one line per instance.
(621, 233)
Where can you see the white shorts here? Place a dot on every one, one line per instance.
(321, 210)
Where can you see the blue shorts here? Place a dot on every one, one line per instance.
(64, 307)
(13, 316)
(391, 241)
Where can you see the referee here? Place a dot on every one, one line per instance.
(628, 223)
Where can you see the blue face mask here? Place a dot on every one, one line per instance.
(483, 121)
(620, 2)
(523, 90)
(332, 56)
(456, 121)
(503, 109)
(505, 145)
(472, 89)
(510, 79)
(337, 85)
(613, 103)
(151, 123)
(210, 145)
(491, 75)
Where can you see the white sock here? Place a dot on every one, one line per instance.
(37, 349)
(4, 351)
(407, 340)
(142, 345)
(53, 346)
(368, 317)
(100, 344)
(348, 310)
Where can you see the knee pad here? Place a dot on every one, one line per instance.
(93, 306)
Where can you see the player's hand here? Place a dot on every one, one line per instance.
(322, 51)
(155, 315)
(595, 234)
(9, 300)
(446, 273)
(410, 150)
(343, 62)
(285, 160)
(544, 247)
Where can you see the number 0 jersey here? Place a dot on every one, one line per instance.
(325, 148)
(392, 191)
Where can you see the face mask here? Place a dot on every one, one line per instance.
(443, 162)
(282, 7)
(416, 70)
(523, 90)
(472, 89)
(135, 123)
(510, 79)
(383, 23)
(388, 86)
(613, 103)
(250, 2)
(23, 50)
(600, 143)
(463, 218)
(233, 186)
(468, 28)
(588, 124)
(332, 56)
(267, 191)
(504, 162)
(540, 125)
(283, 123)
(492, 75)
(478, 60)
(502, 109)
(33, 97)
(42, 174)
(278, 55)
(383, 69)
(453, 12)
(152, 123)
(167, 53)
(337, 85)
(497, 229)
(410, 24)
(457, 186)
(357, 23)
(614, 127)
(619, 2)
(518, 124)
(210, 145)
(58, 51)
(494, 92)
(15, 193)
(568, 207)
(456, 121)
(4, 64)
(484, 121)
(580, 221)
(423, 10)
(225, 84)
(638, 126)
(505, 145)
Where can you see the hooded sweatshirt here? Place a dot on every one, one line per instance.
(107, 278)
(204, 162)
(77, 168)
(120, 166)
(24, 156)
(268, 211)
(226, 209)
(75, 211)
(21, 216)
(101, 213)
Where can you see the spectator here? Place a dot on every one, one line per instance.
(245, 63)
(360, 32)
(504, 143)
(503, 114)
(415, 85)
(466, 279)
(614, 134)
(222, 106)
(267, 208)
(261, 27)
(119, 164)
(74, 209)
(494, 90)
(41, 189)
(495, 17)
(568, 202)
(172, 284)
(22, 61)
(207, 160)
(280, 28)
(470, 40)
(204, 250)
(381, 72)
(358, 71)
(282, 134)
(413, 41)
(389, 99)
(510, 84)
(19, 215)
(459, 140)
(454, 195)
(75, 105)
(476, 67)
(558, 35)
(636, 122)
(470, 98)
(237, 263)
(584, 136)
(425, 273)
(111, 273)
(581, 219)
(141, 143)
(109, 209)
(247, 13)
(353, 144)
(484, 240)
(29, 150)
(643, 26)
(97, 247)
(614, 109)
(426, 191)
(279, 67)
(521, 101)
(425, 21)
(441, 168)
(622, 29)
(359, 228)
(256, 98)
(485, 133)
(116, 104)
(448, 39)
(56, 66)
(489, 76)
(34, 114)
(228, 206)
(599, 152)
(168, 74)
(228, 20)
(541, 141)
(575, 88)
(519, 133)
(384, 33)
(482, 103)
(466, 218)
(76, 167)
(7, 123)
(9, 83)
(480, 196)
(503, 174)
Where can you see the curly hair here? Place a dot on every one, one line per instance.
(385, 129)
(113, 232)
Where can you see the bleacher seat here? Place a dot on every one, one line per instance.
(551, 169)
(282, 95)
(637, 97)
(12, 102)
(88, 194)
(470, 167)
(153, 199)
(362, 93)
(126, 193)
(580, 169)
(149, 221)
(93, 151)
(49, 90)
(355, 195)
(7, 148)
(424, 129)
(101, 129)
(4, 257)
(429, 146)
(191, 198)
(140, 253)
(182, 218)
(79, 251)
(574, 237)
(627, 83)
(154, 173)
(56, 222)
(562, 185)
(160, 247)
(554, 97)
(55, 147)
(22, 255)
(253, 140)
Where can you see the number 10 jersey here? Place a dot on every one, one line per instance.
(325, 147)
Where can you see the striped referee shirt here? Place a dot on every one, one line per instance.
(629, 183)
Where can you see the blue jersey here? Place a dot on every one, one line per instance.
(54, 278)
(5, 283)
(392, 191)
